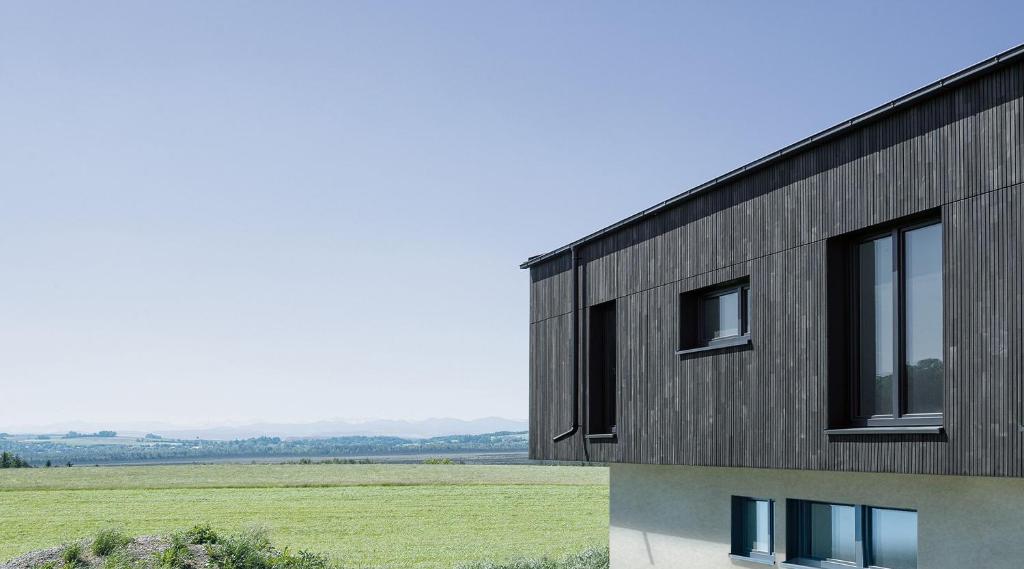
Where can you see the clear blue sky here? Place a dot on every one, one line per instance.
(225, 211)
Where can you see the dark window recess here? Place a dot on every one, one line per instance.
(885, 327)
(897, 327)
(715, 317)
(753, 529)
(843, 536)
(602, 382)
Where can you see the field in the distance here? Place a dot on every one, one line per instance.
(362, 515)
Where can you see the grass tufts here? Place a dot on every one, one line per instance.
(248, 550)
(176, 555)
(109, 540)
(202, 534)
(71, 554)
(120, 559)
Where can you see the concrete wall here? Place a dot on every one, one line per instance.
(679, 516)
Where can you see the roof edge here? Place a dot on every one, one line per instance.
(930, 90)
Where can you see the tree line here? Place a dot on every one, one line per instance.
(11, 460)
(142, 450)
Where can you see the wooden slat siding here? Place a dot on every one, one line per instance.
(765, 407)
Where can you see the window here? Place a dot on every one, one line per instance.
(893, 538)
(753, 529)
(898, 325)
(602, 384)
(715, 318)
(723, 314)
(842, 536)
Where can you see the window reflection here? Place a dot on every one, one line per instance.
(924, 319)
(833, 532)
(893, 539)
(757, 521)
(876, 327)
(722, 316)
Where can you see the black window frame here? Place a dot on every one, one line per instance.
(899, 416)
(798, 535)
(739, 537)
(692, 318)
(742, 290)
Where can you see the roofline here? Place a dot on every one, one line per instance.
(932, 89)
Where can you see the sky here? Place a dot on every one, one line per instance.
(221, 212)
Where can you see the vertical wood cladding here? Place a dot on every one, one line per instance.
(766, 405)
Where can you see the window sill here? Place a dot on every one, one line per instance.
(722, 344)
(800, 563)
(915, 430)
(606, 437)
(762, 560)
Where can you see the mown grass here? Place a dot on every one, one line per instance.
(293, 475)
(429, 516)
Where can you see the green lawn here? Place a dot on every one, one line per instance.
(363, 515)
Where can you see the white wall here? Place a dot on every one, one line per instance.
(679, 516)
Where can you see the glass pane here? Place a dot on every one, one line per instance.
(756, 526)
(762, 542)
(833, 532)
(924, 319)
(876, 326)
(721, 316)
(893, 539)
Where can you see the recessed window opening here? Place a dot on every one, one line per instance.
(753, 528)
(715, 317)
(602, 380)
(898, 324)
(843, 536)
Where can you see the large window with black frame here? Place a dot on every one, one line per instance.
(898, 326)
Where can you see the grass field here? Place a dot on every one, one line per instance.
(362, 515)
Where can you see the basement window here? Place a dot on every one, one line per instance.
(842, 536)
(753, 529)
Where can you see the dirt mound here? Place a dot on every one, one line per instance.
(142, 549)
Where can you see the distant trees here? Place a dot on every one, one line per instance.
(11, 460)
(98, 434)
(60, 451)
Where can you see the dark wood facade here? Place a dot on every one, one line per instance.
(958, 153)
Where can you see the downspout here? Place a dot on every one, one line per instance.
(575, 351)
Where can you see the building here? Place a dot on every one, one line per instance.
(815, 360)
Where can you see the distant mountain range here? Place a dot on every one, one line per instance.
(332, 428)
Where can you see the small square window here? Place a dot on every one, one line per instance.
(753, 529)
(715, 317)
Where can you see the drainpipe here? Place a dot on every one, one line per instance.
(575, 351)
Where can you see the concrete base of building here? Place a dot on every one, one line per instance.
(680, 516)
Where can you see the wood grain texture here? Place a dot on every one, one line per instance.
(960, 154)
